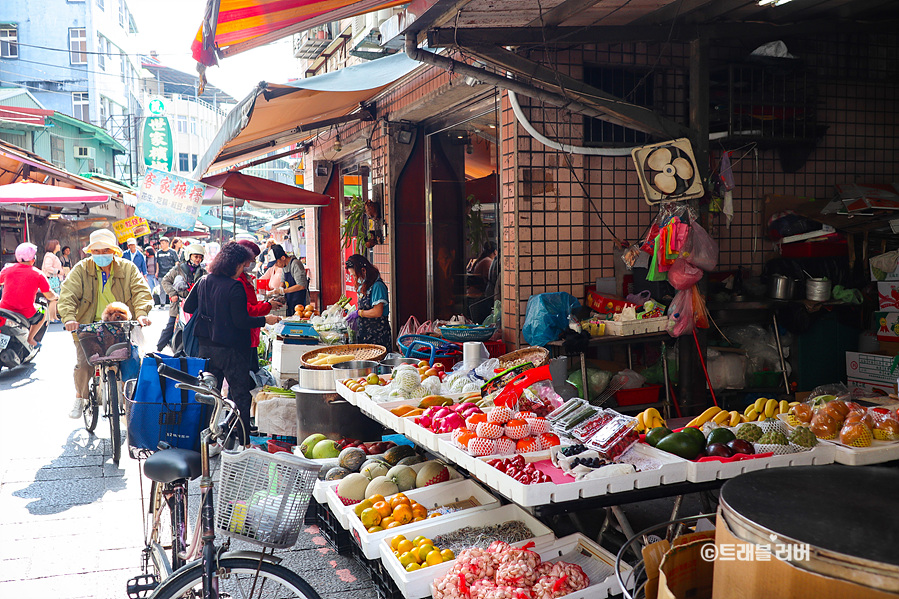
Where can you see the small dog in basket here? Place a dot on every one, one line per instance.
(116, 312)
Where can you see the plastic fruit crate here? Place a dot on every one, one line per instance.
(636, 397)
(636, 327)
(330, 528)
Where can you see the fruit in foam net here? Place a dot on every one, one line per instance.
(773, 438)
(499, 415)
(803, 437)
(749, 432)
(489, 430)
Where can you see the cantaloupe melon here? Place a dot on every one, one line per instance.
(431, 473)
(380, 486)
(403, 477)
(352, 488)
(374, 469)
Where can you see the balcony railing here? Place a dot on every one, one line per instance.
(312, 43)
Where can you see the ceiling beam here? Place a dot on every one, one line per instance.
(573, 36)
(561, 13)
(667, 13)
(619, 111)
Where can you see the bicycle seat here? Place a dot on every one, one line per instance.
(173, 464)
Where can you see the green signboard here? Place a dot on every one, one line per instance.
(157, 143)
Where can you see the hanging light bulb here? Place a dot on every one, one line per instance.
(337, 145)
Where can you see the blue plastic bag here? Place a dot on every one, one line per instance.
(547, 317)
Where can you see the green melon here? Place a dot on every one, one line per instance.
(393, 455)
(402, 476)
(336, 473)
(381, 486)
(352, 458)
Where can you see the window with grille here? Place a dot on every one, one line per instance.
(101, 52)
(9, 42)
(634, 86)
(193, 125)
(78, 45)
(182, 124)
(81, 106)
(57, 150)
(183, 164)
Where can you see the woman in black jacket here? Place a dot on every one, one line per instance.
(219, 301)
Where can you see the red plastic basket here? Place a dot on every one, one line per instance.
(274, 446)
(639, 396)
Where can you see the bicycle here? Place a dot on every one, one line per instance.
(262, 499)
(106, 344)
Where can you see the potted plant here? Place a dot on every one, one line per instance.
(354, 231)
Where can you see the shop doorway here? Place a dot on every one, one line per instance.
(462, 207)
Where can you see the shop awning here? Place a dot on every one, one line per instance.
(240, 25)
(25, 192)
(216, 224)
(286, 219)
(263, 193)
(275, 116)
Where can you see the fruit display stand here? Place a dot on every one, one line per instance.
(877, 453)
(345, 392)
(564, 488)
(381, 412)
(711, 469)
(597, 563)
(432, 497)
(342, 512)
(417, 584)
(422, 436)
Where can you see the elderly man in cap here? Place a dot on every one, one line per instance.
(94, 283)
(135, 255)
(177, 285)
(166, 259)
(21, 282)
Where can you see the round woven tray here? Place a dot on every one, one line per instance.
(361, 351)
(536, 355)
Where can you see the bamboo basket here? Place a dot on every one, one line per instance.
(538, 356)
(361, 351)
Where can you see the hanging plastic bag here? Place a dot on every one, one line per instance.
(702, 249)
(683, 275)
(700, 312)
(546, 317)
(410, 327)
(681, 313)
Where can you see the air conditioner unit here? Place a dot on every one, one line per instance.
(85, 152)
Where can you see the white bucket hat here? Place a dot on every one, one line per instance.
(103, 239)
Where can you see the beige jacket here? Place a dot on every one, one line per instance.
(78, 296)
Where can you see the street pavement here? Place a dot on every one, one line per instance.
(70, 520)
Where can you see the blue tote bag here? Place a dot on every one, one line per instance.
(161, 412)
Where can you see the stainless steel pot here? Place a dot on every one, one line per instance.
(354, 369)
(387, 366)
(322, 380)
(781, 287)
(327, 413)
(818, 290)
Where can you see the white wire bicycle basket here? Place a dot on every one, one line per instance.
(262, 497)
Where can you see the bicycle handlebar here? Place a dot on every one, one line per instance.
(181, 377)
(205, 391)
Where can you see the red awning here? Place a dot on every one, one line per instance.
(241, 25)
(26, 192)
(263, 192)
(25, 116)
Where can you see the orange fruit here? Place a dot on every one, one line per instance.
(404, 546)
(397, 500)
(370, 517)
(393, 524)
(419, 511)
(447, 555)
(434, 515)
(376, 498)
(402, 514)
(386, 522)
(423, 550)
(362, 506)
(395, 542)
(408, 558)
(375, 529)
(413, 567)
(382, 508)
(433, 558)
(417, 540)
(418, 519)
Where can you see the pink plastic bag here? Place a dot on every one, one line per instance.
(411, 326)
(681, 313)
(683, 275)
(702, 250)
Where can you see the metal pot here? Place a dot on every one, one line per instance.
(781, 287)
(353, 369)
(327, 413)
(818, 290)
(322, 380)
(387, 366)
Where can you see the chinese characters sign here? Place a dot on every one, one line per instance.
(157, 143)
(130, 227)
(169, 199)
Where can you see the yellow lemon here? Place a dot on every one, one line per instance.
(395, 541)
(447, 555)
(412, 567)
(404, 546)
(433, 558)
(423, 550)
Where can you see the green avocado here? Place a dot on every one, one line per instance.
(721, 435)
(681, 444)
(696, 434)
(657, 434)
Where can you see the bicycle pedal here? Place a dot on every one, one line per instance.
(141, 586)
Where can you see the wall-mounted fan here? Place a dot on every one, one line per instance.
(667, 171)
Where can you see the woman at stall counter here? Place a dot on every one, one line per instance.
(52, 269)
(373, 308)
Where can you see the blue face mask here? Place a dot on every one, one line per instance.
(102, 260)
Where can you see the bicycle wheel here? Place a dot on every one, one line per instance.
(244, 578)
(91, 410)
(166, 527)
(114, 415)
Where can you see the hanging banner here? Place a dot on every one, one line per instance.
(169, 199)
(130, 227)
(157, 143)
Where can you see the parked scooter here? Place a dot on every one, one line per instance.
(14, 347)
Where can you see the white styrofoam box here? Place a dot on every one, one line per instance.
(872, 368)
(451, 452)
(286, 356)
(636, 327)
(342, 512)
(422, 436)
(865, 456)
(318, 491)
(381, 412)
(698, 472)
(417, 584)
(597, 563)
(881, 389)
(672, 470)
(344, 391)
(887, 326)
(431, 497)
(888, 296)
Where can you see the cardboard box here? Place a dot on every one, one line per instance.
(753, 579)
(605, 303)
(880, 389)
(871, 368)
(887, 327)
(683, 572)
(888, 296)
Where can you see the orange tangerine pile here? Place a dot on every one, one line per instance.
(418, 553)
(378, 513)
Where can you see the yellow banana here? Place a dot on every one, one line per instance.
(760, 404)
(734, 418)
(771, 408)
(784, 406)
(753, 415)
(641, 426)
(793, 403)
(721, 417)
(707, 415)
(653, 413)
(748, 409)
(657, 422)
